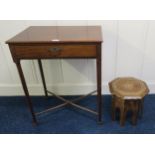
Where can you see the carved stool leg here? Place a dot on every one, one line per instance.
(140, 108)
(122, 113)
(113, 110)
(135, 112)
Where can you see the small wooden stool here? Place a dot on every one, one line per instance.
(127, 95)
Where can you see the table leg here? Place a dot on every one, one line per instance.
(26, 91)
(99, 83)
(42, 77)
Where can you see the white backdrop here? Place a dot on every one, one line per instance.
(128, 50)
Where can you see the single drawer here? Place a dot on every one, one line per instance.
(54, 51)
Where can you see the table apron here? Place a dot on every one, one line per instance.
(55, 52)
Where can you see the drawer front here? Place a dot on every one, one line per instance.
(55, 51)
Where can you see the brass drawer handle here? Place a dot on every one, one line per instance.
(55, 49)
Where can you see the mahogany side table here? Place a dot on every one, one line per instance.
(58, 42)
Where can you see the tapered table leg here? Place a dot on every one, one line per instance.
(42, 77)
(26, 91)
(99, 83)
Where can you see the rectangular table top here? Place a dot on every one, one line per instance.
(58, 34)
